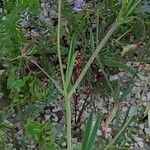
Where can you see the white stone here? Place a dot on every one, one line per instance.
(147, 131)
(113, 77)
(138, 139)
(133, 111)
(99, 133)
(47, 117)
(141, 126)
(141, 144)
(42, 5)
(144, 98)
(148, 96)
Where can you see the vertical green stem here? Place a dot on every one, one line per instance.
(68, 102)
(68, 118)
(58, 42)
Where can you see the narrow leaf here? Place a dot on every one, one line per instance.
(87, 132)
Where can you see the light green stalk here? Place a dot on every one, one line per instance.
(67, 100)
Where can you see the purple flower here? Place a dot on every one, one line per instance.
(78, 5)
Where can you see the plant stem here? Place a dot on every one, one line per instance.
(68, 100)
(58, 43)
(68, 118)
(94, 55)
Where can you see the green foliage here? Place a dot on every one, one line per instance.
(90, 133)
(79, 32)
(41, 133)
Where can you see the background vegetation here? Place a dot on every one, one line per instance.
(63, 58)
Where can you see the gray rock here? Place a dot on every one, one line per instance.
(148, 96)
(47, 117)
(45, 13)
(147, 131)
(34, 33)
(141, 144)
(53, 14)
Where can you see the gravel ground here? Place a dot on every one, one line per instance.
(136, 100)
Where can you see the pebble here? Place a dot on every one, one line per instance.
(47, 111)
(53, 14)
(148, 96)
(34, 33)
(141, 126)
(138, 139)
(133, 111)
(113, 77)
(144, 98)
(141, 144)
(147, 131)
(124, 109)
(45, 13)
(47, 117)
(48, 21)
(99, 133)
(43, 4)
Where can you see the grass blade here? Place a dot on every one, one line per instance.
(87, 132)
(93, 135)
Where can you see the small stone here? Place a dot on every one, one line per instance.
(136, 64)
(121, 74)
(141, 77)
(34, 33)
(141, 144)
(144, 98)
(53, 14)
(32, 146)
(45, 13)
(133, 111)
(113, 77)
(138, 139)
(47, 111)
(42, 5)
(48, 21)
(148, 96)
(141, 126)
(124, 109)
(147, 131)
(54, 118)
(141, 132)
(64, 144)
(99, 133)
(47, 117)
(137, 95)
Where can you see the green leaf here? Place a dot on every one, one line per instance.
(93, 135)
(90, 133)
(131, 6)
(70, 62)
(11, 78)
(87, 131)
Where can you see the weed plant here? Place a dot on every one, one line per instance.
(100, 34)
